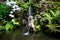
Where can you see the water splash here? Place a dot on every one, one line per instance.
(27, 33)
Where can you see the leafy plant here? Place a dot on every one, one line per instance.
(6, 21)
(50, 20)
(53, 20)
(4, 10)
(25, 6)
(0, 27)
(8, 26)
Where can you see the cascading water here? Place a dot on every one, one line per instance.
(7, 0)
(29, 7)
(30, 20)
(27, 33)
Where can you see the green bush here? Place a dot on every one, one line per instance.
(53, 18)
(5, 19)
(4, 10)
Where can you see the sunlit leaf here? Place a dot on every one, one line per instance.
(8, 26)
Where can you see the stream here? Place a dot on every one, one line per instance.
(18, 35)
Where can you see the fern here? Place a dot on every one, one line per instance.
(9, 26)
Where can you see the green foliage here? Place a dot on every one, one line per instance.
(38, 28)
(5, 19)
(43, 0)
(9, 26)
(15, 22)
(50, 19)
(53, 17)
(25, 6)
(0, 27)
(4, 10)
(53, 27)
(0, 16)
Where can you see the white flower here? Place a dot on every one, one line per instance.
(16, 9)
(11, 15)
(15, 6)
(12, 3)
(8, 4)
(11, 12)
(12, 20)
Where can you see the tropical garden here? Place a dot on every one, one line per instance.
(44, 15)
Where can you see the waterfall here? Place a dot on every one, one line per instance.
(30, 20)
(29, 8)
(27, 33)
(7, 0)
